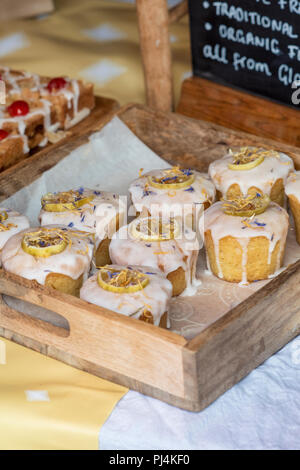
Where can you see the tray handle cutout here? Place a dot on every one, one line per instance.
(13, 307)
(18, 315)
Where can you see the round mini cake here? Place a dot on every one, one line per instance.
(173, 192)
(245, 238)
(249, 170)
(53, 256)
(292, 191)
(161, 244)
(11, 222)
(98, 212)
(137, 292)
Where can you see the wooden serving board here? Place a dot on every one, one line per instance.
(160, 363)
(18, 176)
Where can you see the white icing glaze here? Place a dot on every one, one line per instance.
(76, 93)
(13, 80)
(46, 111)
(74, 261)
(19, 222)
(79, 116)
(54, 127)
(179, 203)
(44, 142)
(154, 297)
(96, 217)
(167, 255)
(275, 222)
(292, 187)
(262, 176)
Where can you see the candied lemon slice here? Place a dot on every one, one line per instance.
(247, 206)
(64, 201)
(44, 242)
(154, 229)
(247, 158)
(246, 166)
(3, 216)
(174, 178)
(121, 281)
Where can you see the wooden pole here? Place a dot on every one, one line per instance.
(153, 21)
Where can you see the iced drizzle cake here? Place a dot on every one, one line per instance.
(98, 212)
(138, 292)
(11, 222)
(173, 192)
(292, 191)
(53, 256)
(249, 170)
(245, 238)
(161, 244)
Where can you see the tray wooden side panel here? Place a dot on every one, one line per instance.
(176, 138)
(126, 351)
(26, 171)
(246, 336)
(204, 99)
(187, 402)
(190, 142)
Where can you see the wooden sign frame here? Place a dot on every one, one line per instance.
(200, 98)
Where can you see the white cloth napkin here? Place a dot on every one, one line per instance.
(260, 412)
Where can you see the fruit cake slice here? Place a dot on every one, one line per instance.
(20, 85)
(36, 108)
(72, 100)
(23, 126)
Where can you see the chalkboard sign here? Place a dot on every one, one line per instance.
(251, 44)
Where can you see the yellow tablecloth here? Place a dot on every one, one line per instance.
(96, 40)
(45, 404)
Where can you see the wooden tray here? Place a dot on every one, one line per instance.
(103, 107)
(188, 374)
